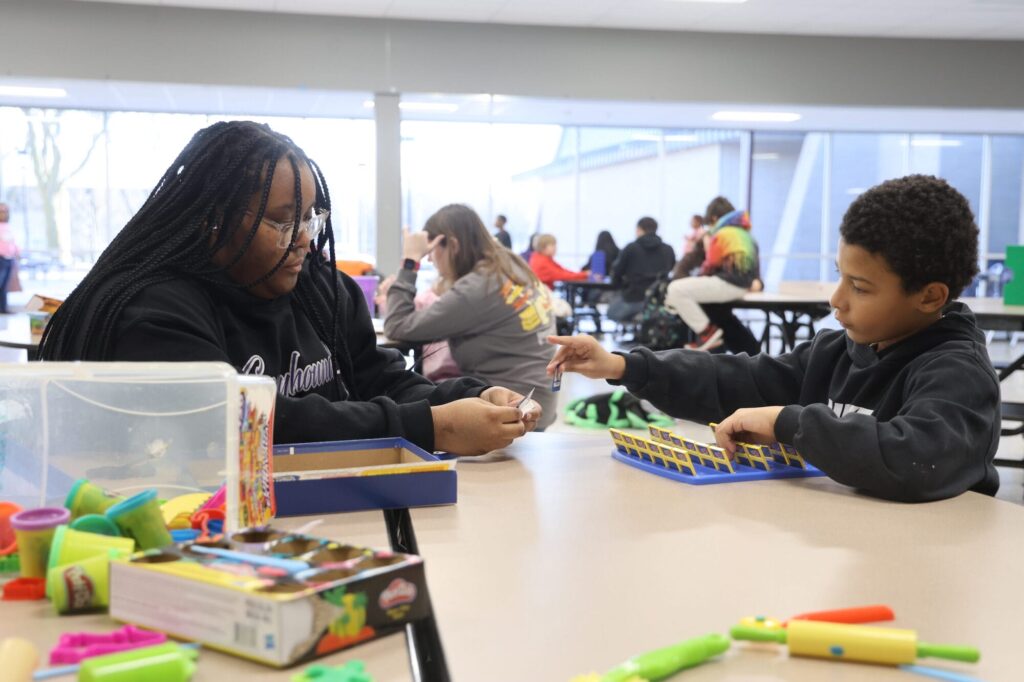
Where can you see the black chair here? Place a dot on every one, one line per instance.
(1012, 412)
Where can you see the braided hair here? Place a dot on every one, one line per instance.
(195, 210)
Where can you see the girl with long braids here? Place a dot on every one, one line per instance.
(226, 262)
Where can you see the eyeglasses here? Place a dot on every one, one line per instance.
(313, 226)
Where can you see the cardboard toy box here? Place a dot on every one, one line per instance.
(39, 310)
(357, 475)
(346, 595)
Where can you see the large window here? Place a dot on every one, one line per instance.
(571, 182)
(73, 178)
(803, 183)
(859, 161)
(486, 166)
(1006, 216)
(786, 203)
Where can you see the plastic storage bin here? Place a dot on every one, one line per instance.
(368, 283)
(126, 427)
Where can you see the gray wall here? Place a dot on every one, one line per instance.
(61, 38)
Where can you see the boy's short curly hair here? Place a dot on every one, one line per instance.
(921, 226)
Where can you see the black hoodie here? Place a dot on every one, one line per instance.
(640, 264)
(191, 320)
(915, 422)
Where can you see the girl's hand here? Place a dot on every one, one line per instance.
(416, 245)
(530, 410)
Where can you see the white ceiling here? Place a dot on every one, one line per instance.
(976, 19)
(249, 101)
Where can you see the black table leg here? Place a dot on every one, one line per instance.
(426, 653)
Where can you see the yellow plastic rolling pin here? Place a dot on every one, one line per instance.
(868, 644)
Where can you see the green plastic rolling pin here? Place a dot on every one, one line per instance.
(661, 663)
(890, 646)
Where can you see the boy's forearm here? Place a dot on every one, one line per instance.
(616, 367)
(907, 459)
(703, 387)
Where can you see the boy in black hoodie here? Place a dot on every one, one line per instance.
(639, 265)
(902, 404)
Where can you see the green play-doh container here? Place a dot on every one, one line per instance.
(139, 517)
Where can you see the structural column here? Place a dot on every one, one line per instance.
(389, 181)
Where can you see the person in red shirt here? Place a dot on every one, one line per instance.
(543, 264)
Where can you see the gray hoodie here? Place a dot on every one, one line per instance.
(497, 330)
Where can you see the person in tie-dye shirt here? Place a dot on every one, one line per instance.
(730, 267)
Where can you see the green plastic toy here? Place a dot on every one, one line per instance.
(10, 564)
(661, 663)
(162, 663)
(353, 671)
(618, 410)
(139, 517)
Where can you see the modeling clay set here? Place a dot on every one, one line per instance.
(690, 461)
(271, 596)
(341, 476)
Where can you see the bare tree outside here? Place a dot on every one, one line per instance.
(48, 164)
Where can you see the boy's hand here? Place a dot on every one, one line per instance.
(504, 397)
(584, 355)
(748, 425)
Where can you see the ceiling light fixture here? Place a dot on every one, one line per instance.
(441, 107)
(934, 142)
(446, 107)
(756, 116)
(31, 91)
(654, 137)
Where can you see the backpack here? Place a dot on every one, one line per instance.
(660, 328)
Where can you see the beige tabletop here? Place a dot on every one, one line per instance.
(993, 306)
(16, 333)
(795, 299)
(559, 560)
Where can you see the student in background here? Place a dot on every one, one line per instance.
(226, 262)
(544, 265)
(495, 314)
(8, 258)
(638, 266)
(731, 265)
(607, 247)
(736, 336)
(437, 363)
(530, 246)
(606, 251)
(695, 239)
(502, 235)
(902, 403)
